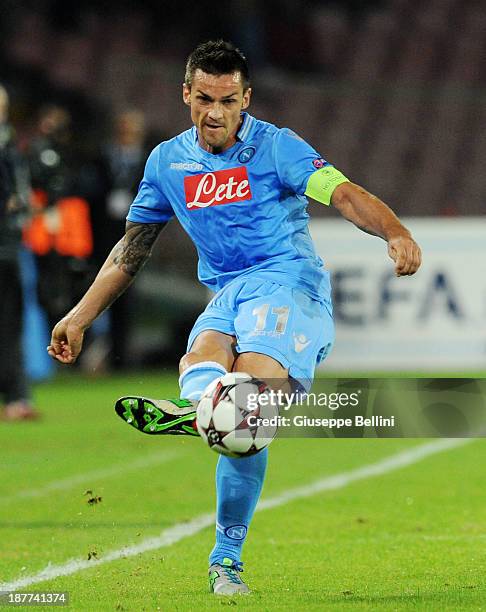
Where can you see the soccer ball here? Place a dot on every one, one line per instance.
(229, 413)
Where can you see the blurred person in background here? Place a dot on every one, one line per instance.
(14, 209)
(60, 232)
(237, 185)
(119, 170)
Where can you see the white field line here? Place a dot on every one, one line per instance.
(87, 477)
(181, 531)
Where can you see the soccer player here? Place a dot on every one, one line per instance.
(237, 185)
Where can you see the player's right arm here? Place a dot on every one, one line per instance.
(124, 262)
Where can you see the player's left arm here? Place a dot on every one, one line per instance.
(301, 169)
(373, 216)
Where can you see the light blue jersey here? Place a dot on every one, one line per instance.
(244, 208)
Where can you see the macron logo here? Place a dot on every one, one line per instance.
(216, 188)
(300, 342)
(192, 166)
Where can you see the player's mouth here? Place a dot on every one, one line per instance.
(213, 126)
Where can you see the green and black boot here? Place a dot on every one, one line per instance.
(158, 417)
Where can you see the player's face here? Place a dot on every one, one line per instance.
(216, 102)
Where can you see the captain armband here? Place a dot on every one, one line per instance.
(323, 182)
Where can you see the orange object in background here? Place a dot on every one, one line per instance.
(35, 233)
(75, 236)
(64, 227)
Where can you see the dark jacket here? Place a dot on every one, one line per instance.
(14, 181)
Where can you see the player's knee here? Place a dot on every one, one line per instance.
(197, 356)
(186, 361)
(210, 345)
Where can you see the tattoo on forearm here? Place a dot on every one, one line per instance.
(131, 253)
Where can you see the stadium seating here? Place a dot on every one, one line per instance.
(393, 96)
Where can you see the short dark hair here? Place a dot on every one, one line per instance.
(217, 57)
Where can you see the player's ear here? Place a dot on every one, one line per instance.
(246, 98)
(186, 94)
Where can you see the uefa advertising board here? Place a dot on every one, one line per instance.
(434, 321)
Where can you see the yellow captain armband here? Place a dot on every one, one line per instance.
(323, 182)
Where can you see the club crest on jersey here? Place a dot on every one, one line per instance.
(217, 188)
(246, 154)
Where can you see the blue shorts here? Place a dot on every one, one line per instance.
(266, 317)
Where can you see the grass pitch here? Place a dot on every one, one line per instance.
(80, 484)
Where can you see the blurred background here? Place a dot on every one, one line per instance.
(390, 91)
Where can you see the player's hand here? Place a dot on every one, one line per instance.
(66, 341)
(406, 254)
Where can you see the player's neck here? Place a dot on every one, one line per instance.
(214, 150)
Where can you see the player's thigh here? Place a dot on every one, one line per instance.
(210, 345)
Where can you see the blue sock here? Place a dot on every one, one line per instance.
(197, 377)
(238, 486)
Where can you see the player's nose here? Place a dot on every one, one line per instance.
(216, 113)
